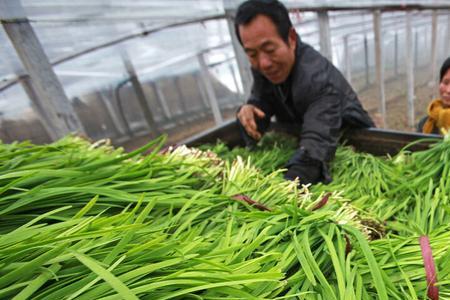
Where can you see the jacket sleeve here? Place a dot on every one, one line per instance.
(318, 140)
(261, 97)
(321, 127)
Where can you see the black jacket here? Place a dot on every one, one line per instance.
(316, 98)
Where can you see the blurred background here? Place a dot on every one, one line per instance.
(132, 70)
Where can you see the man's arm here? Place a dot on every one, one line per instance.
(318, 140)
(249, 116)
(254, 117)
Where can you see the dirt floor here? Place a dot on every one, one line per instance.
(396, 108)
(396, 100)
(178, 133)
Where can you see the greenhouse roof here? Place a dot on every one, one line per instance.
(69, 27)
(72, 29)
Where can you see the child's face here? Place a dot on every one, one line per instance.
(444, 89)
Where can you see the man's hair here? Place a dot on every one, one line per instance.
(272, 9)
(444, 68)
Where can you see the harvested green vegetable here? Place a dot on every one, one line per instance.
(82, 221)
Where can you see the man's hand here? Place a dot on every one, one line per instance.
(247, 115)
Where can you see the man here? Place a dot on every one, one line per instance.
(296, 84)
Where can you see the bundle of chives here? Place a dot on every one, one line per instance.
(166, 226)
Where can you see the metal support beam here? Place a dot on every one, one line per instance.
(176, 84)
(324, 33)
(118, 126)
(210, 90)
(202, 90)
(348, 59)
(409, 57)
(140, 95)
(434, 40)
(54, 105)
(426, 46)
(366, 59)
(416, 49)
(119, 105)
(235, 81)
(241, 59)
(161, 99)
(396, 54)
(37, 106)
(447, 45)
(379, 64)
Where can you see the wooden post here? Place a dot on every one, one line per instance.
(325, 37)
(348, 60)
(49, 93)
(409, 57)
(210, 89)
(434, 76)
(366, 59)
(140, 95)
(379, 64)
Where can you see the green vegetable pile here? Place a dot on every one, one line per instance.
(88, 221)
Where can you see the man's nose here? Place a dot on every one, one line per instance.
(264, 62)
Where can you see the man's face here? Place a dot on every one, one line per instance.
(444, 89)
(267, 51)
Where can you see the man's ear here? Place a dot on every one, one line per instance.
(292, 38)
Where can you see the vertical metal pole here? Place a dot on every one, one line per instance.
(325, 37)
(37, 105)
(235, 81)
(118, 126)
(202, 90)
(447, 45)
(241, 57)
(348, 61)
(119, 105)
(379, 64)
(210, 89)
(176, 83)
(366, 59)
(49, 92)
(409, 69)
(434, 42)
(140, 95)
(416, 49)
(396, 54)
(425, 45)
(160, 98)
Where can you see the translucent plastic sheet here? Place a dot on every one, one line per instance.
(166, 59)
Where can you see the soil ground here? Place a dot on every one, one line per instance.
(396, 100)
(396, 108)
